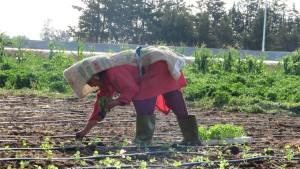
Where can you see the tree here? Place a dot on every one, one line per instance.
(236, 20)
(50, 34)
(202, 28)
(177, 25)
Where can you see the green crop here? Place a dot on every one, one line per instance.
(102, 102)
(220, 131)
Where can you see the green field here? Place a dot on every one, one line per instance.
(226, 83)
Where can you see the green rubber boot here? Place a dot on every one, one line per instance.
(145, 126)
(189, 130)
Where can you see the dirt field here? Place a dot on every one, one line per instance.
(41, 131)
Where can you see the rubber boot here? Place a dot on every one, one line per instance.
(189, 130)
(145, 126)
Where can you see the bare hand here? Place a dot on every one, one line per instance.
(113, 103)
(80, 134)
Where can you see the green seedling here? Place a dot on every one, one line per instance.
(23, 164)
(176, 163)
(77, 156)
(196, 159)
(96, 153)
(166, 161)
(38, 167)
(143, 164)
(102, 102)
(51, 166)
(152, 160)
(290, 153)
(128, 158)
(62, 145)
(46, 145)
(268, 151)
(7, 148)
(24, 143)
(49, 154)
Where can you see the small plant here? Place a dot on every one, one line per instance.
(62, 145)
(102, 102)
(143, 164)
(152, 160)
(223, 162)
(46, 145)
(196, 159)
(24, 143)
(128, 158)
(7, 147)
(96, 153)
(49, 154)
(268, 151)
(177, 163)
(290, 153)
(77, 156)
(38, 167)
(18, 154)
(23, 164)
(51, 166)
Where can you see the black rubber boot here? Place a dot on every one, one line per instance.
(145, 126)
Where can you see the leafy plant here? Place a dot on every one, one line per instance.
(220, 131)
(202, 58)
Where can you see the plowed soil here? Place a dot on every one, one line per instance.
(39, 132)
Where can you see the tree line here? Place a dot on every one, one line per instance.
(175, 23)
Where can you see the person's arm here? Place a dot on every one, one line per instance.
(94, 118)
(87, 128)
(103, 92)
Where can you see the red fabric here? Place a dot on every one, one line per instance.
(126, 81)
(161, 105)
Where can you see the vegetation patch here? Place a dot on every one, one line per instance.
(220, 131)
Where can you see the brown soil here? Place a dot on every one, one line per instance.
(27, 122)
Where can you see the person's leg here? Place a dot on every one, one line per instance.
(144, 107)
(145, 121)
(175, 101)
(187, 123)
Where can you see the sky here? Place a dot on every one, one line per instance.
(28, 17)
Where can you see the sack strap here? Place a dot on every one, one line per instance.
(138, 59)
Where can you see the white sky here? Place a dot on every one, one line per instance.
(27, 17)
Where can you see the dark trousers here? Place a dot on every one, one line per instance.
(174, 100)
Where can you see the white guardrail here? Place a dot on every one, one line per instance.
(45, 52)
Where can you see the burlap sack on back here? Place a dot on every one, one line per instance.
(80, 73)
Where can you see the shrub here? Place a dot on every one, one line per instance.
(58, 86)
(272, 96)
(221, 98)
(3, 78)
(23, 79)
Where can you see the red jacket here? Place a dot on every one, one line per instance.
(126, 81)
